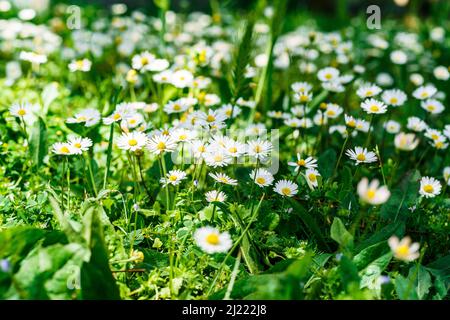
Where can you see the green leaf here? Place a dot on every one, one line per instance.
(309, 221)
(405, 288)
(340, 234)
(383, 235)
(38, 142)
(326, 163)
(97, 281)
(369, 254)
(348, 272)
(441, 268)
(49, 94)
(422, 280)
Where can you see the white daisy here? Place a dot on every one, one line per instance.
(234, 148)
(215, 196)
(333, 110)
(392, 126)
(286, 188)
(133, 141)
(161, 143)
(406, 141)
(83, 65)
(259, 149)
(80, 143)
(433, 106)
(424, 92)
(373, 106)
(416, 124)
(311, 178)
(371, 193)
(173, 177)
(368, 90)
(177, 106)
(215, 157)
(64, 148)
(307, 163)
(223, 178)
(261, 177)
(20, 110)
(394, 97)
(446, 174)
(181, 78)
(328, 74)
(361, 155)
(142, 60)
(90, 117)
(211, 241)
(404, 249)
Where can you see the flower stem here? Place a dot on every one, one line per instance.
(109, 155)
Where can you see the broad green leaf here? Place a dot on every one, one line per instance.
(348, 272)
(405, 288)
(97, 281)
(383, 235)
(422, 280)
(38, 142)
(340, 234)
(369, 254)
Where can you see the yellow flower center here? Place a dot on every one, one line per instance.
(173, 178)
(232, 150)
(286, 191)
(431, 107)
(394, 100)
(81, 118)
(202, 149)
(210, 118)
(21, 112)
(312, 177)
(161, 146)
(351, 123)
(370, 194)
(374, 108)
(424, 94)
(132, 121)
(132, 142)
(218, 158)
(402, 251)
(212, 238)
(303, 98)
(144, 61)
(301, 162)
(182, 137)
(79, 64)
(77, 145)
(434, 136)
(117, 116)
(361, 157)
(369, 93)
(260, 180)
(328, 76)
(428, 188)
(64, 149)
(176, 107)
(331, 113)
(223, 179)
(258, 149)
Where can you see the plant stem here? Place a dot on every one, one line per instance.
(233, 277)
(340, 155)
(91, 175)
(108, 156)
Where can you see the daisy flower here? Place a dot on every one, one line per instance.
(372, 106)
(350, 121)
(90, 117)
(394, 97)
(181, 79)
(424, 92)
(433, 106)
(406, 141)
(429, 187)
(80, 143)
(333, 110)
(64, 148)
(416, 124)
(140, 61)
(303, 97)
(392, 126)
(211, 241)
(446, 174)
(20, 110)
(33, 57)
(404, 249)
(228, 108)
(362, 125)
(434, 134)
(259, 149)
(328, 74)
(183, 135)
(133, 141)
(441, 73)
(156, 65)
(361, 155)
(439, 143)
(177, 106)
(371, 193)
(83, 65)
(278, 115)
(368, 90)
(198, 148)
(161, 143)
(173, 177)
(286, 188)
(234, 148)
(311, 177)
(261, 177)
(307, 163)
(217, 157)
(215, 196)
(223, 178)
(398, 57)
(301, 87)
